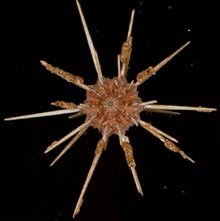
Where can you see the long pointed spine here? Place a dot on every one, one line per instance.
(99, 148)
(90, 43)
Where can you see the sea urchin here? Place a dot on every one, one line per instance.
(112, 106)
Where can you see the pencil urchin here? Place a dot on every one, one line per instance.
(112, 106)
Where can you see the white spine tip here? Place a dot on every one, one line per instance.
(44, 63)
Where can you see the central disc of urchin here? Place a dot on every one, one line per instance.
(114, 103)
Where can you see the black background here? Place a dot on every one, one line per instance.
(174, 189)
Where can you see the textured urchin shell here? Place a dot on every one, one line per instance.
(115, 103)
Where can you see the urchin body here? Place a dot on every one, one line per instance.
(112, 106)
(115, 103)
